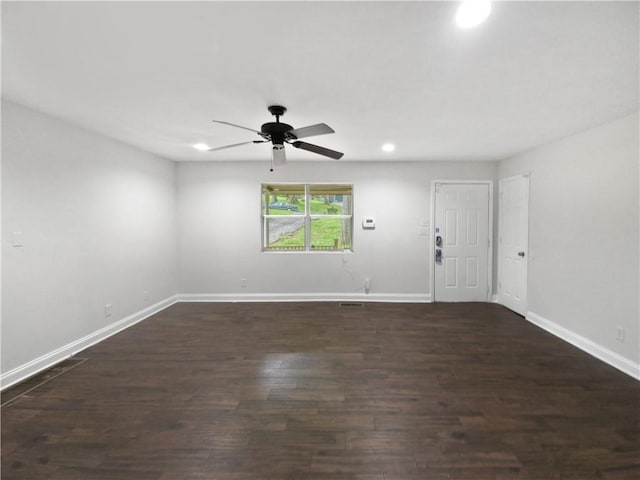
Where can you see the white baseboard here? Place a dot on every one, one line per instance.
(39, 364)
(494, 299)
(305, 297)
(602, 353)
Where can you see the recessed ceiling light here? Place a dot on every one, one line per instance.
(388, 147)
(472, 13)
(203, 147)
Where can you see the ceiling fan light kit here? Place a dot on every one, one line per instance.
(278, 156)
(279, 133)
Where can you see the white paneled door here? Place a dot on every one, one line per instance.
(462, 242)
(513, 241)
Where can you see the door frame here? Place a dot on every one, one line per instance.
(527, 176)
(432, 242)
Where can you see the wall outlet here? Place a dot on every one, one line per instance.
(145, 295)
(367, 284)
(243, 282)
(620, 334)
(107, 310)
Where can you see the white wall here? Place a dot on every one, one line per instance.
(98, 224)
(583, 250)
(219, 230)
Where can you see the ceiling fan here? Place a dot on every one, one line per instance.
(280, 133)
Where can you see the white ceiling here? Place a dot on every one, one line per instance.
(153, 74)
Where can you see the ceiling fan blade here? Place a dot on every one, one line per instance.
(215, 149)
(310, 131)
(239, 126)
(317, 149)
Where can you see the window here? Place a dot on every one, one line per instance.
(303, 217)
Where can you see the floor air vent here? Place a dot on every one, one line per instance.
(351, 304)
(30, 384)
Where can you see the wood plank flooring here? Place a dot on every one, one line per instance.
(316, 391)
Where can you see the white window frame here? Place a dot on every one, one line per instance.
(308, 217)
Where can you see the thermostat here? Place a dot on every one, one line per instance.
(368, 223)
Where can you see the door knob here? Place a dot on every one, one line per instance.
(521, 254)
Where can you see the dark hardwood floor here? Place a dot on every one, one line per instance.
(317, 391)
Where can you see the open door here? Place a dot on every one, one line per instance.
(513, 243)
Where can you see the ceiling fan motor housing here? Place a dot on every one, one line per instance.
(276, 131)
